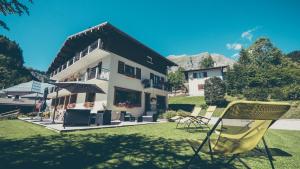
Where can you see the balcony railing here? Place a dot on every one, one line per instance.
(150, 84)
(95, 45)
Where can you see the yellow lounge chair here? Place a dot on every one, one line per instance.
(200, 121)
(241, 127)
(185, 119)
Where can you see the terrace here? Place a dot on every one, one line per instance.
(81, 60)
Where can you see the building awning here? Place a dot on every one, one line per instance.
(79, 87)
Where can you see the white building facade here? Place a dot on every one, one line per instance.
(196, 78)
(132, 75)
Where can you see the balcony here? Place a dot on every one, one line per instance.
(78, 56)
(75, 66)
(148, 84)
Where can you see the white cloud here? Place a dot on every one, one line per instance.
(249, 33)
(235, 56)
(234, 46)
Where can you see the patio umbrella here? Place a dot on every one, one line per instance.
(76, 87)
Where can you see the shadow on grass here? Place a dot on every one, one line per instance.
(97, 151)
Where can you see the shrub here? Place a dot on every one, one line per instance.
(214, 91)
(292, 92)
(169, 114)
(256, 94)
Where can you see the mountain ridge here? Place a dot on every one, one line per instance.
(192, 61)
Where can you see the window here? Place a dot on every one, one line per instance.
(92, 72)
(90, 97)
(121, 67)
(200, 86)
(73, 98)
(71, 61)
(138, 73)
(204, 74)
(129, 71)
(67, 101)
(195, 75)
(54, 102)
(149, 59)
(127, 98)
(61, 100)
(199, 75)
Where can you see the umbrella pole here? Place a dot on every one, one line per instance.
(56, 103)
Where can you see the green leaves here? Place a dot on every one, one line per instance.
(214, 91)
(263, 72)
(207, 62)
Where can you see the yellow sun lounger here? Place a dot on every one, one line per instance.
(240, 128)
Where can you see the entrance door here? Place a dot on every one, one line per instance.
(147, 103)
(161, 103)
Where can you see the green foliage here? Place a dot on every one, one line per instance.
(214, 91)
(12, 71)
(207, 62)
(294, 56)
(11, 7)
(263, 72)
(176, 79)
(171, 113)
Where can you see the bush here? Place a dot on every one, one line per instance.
(256, 94)
(214, 91)
(169, 114)
(292, 92)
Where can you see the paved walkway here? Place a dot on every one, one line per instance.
(58, 127)
(282, 124)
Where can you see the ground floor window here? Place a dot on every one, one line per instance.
(73, 98)
(127, 98)
(90, 97)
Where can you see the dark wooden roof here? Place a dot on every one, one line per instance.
(203, 69)
(115, 41)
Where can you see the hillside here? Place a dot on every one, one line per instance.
(192, 61)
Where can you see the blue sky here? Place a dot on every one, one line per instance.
(169, 27)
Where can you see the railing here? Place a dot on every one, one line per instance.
(150, 84)
(95, 45)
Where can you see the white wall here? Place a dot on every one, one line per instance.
(194, 82)
(120, 80)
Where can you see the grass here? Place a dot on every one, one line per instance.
(197, 100)
(23, 145)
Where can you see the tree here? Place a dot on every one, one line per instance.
(12, 7)
(176, 79)
(214, 91)
(207, 62)
(263, 72)
(12, 70)
(294, 56)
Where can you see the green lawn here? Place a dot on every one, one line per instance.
(197, 100)
(23, 145)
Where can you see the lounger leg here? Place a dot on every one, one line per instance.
(178, 123)
(232, 158)
(210, 150)
(268, 153)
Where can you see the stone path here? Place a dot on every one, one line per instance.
(283, 124)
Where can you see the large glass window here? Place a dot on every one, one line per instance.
(127, 98)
